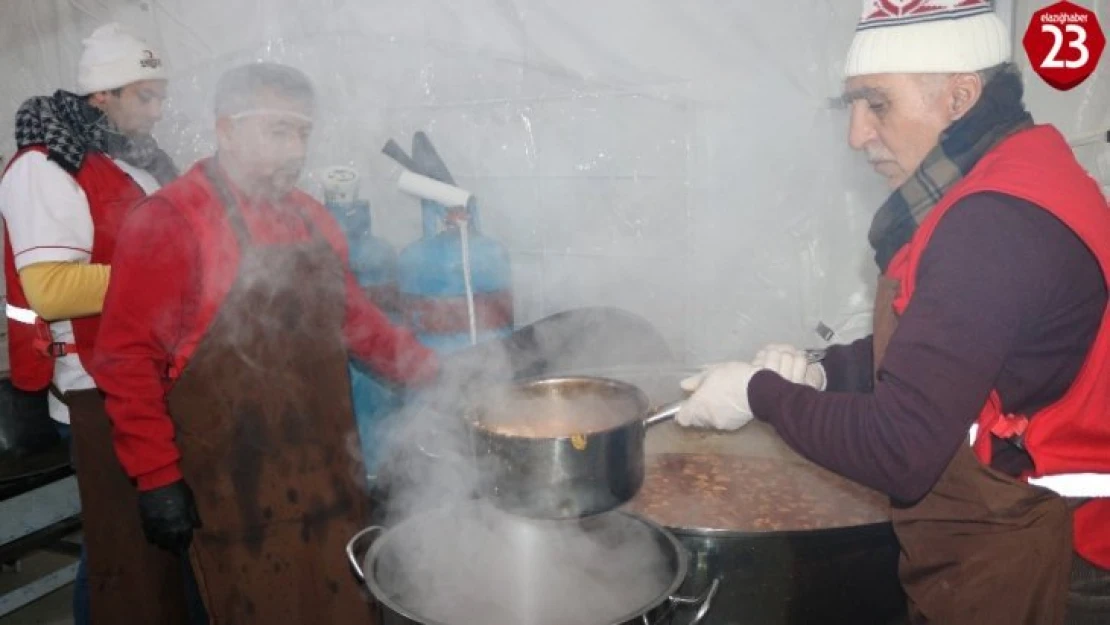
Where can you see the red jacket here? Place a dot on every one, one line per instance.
(1071, 436)
(31, 351)
(177, 260)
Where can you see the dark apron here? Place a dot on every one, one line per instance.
(980, 548)
(130, 580)
(263, 416)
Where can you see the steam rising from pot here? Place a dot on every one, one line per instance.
(461, 560)
(475, 565)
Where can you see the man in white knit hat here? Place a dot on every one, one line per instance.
(981, 402)
(84, 159)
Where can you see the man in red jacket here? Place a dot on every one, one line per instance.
(223, 357)
(991, 315)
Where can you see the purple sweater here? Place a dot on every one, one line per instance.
(1007, 297)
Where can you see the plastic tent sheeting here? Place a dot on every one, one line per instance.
(678, 159)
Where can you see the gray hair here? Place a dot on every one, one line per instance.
(988, 74)
(238, 88)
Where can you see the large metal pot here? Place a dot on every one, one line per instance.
(790, 542)
(472, 564)
(563, 447)
(821, 577)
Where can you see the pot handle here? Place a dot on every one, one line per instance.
(666, 413)
(355, 543)
(706, 601)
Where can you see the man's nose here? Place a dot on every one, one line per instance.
(154, 109)
(861, 129)
(298, 147)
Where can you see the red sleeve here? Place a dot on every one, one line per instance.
(150, 294)
(390, 351)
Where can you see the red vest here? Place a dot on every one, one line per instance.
(1071, 436)
(31, 350)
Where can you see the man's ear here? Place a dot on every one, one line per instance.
(223, 130)
(98, 99)
(965, 91)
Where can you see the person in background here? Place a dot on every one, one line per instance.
(223, 355)
(990, 316)
(84, 160)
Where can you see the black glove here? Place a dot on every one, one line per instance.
(169, 516)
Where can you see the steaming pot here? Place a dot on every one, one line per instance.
(470, 564)
(563, 447)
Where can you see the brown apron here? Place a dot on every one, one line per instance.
(263, 414)
(981, 547)
(130, 580)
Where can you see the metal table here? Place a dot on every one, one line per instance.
(39, 507)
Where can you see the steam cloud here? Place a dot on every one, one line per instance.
(453, 556)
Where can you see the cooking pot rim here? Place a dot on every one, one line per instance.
(644, 407)
(370, 572)
(864, 529)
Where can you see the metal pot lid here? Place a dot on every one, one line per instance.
(470, 564)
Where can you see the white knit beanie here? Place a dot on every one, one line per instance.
(113, 57)
(927, 36)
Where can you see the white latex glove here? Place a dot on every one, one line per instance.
(720, 397)
(792, 364)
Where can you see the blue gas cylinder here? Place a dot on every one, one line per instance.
(373, 401)
(432, 281)
(373, 262)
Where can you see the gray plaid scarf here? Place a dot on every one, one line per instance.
(69, 127)
(998, 114)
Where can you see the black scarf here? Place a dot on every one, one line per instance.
(998, 114)
(69, 127)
